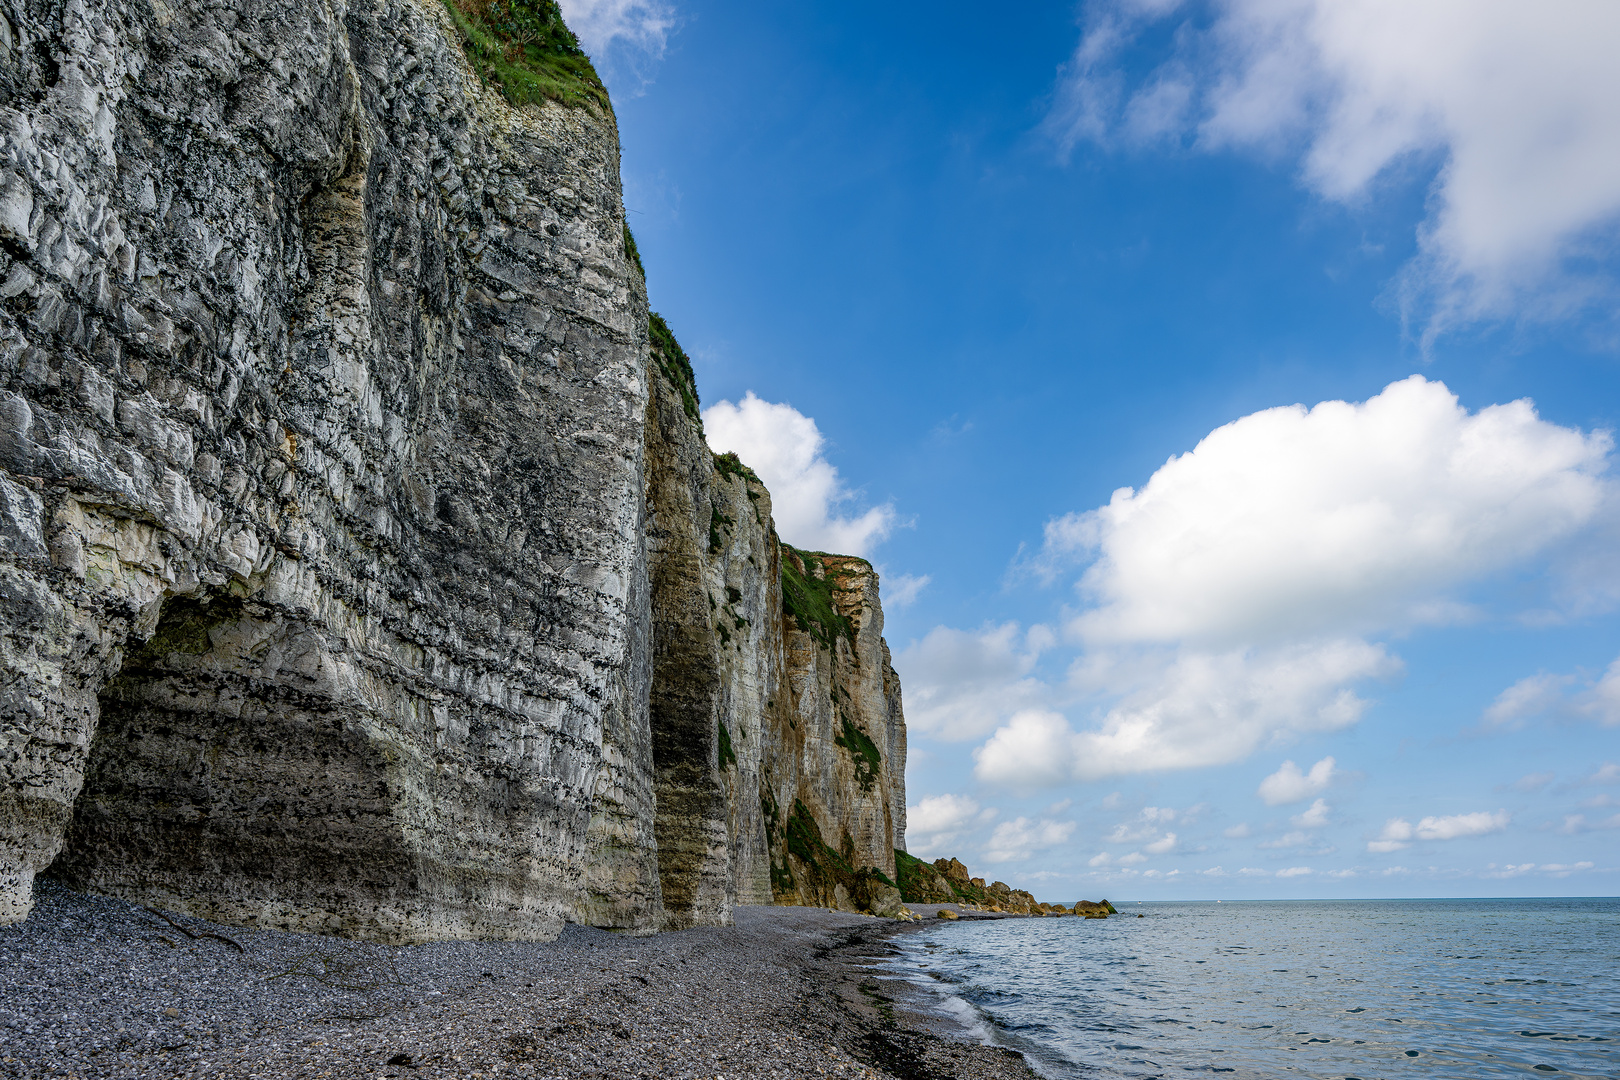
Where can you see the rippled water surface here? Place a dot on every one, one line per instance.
(1330, 989)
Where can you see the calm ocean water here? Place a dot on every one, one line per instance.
(1327, 989)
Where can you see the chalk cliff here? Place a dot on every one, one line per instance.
(362, 565)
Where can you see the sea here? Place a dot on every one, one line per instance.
(1335, 990)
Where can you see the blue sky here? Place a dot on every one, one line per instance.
(951, 281)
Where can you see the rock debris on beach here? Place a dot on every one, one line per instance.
(92, 987)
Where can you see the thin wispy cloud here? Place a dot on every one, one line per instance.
(1557, 696)
(627, 35)
(600, 24)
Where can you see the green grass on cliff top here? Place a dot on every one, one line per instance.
(525, 48)
(809, 599)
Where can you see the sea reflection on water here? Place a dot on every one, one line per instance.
(1327, 989)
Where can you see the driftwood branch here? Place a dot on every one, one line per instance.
(198, 933)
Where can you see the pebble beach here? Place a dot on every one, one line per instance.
(94, 987)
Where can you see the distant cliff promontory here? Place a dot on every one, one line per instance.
(948, 881)
(363, 568)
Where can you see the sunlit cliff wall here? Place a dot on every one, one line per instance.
(362, 568)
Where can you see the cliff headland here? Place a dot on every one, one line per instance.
(948, 881)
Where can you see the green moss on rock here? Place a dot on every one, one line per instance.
(824, 868)
(919, 882)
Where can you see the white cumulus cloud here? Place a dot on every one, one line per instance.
(1300, 522)
(1196, 709)
(1230, 598)
(785, 448)
(941, 813)
(1289, 785)
(1513, 102)
(1318, 816)
(1399, 833)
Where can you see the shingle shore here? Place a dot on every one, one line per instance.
(92, 987)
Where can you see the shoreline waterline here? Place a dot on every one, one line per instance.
(1319, 989)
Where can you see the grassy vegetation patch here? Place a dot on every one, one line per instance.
(675, 365)
(717, 521)
(804, 840)
(729, 465)
(526, 49)
(728, 757)
(809, 598)
(868, 761)
(632, 252)
(913, 880)
(824, 866)
(968, 892)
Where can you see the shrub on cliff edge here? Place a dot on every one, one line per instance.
(525, 48)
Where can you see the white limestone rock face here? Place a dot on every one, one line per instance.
(322, 569)
(778, 744)
(841, 762)
(362, 568)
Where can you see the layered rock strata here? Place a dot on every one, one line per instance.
(362, 569)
